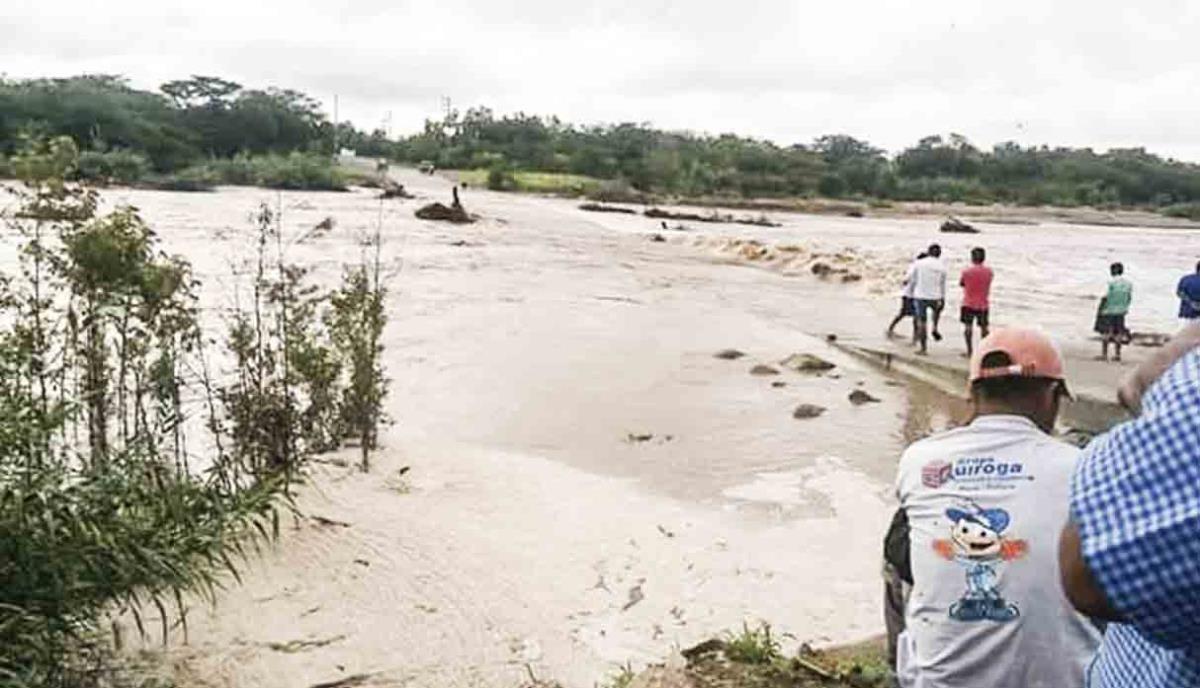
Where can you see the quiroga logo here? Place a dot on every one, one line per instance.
(936, 473)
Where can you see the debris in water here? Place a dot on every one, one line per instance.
(392, 189)
(954, 225)
(779, 383)
(635, 596)
(634, 438)
(729, 354)
(293, 646)
(804, 411)
(807, 363)
(329, 522)
(666, 532)
(859, 397)
(601, 208)
(362, 562)
(658, 238)
(348, 682)
(761, 369)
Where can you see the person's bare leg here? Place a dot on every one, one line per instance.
(1117, 350)
(891, 331)
(937, 321)
(1104, 348)
(969, 335)
(923, 337)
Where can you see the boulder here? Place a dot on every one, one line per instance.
(761, 369)
(729, 354)
(805, 411)
(859, 397)
(807, 363)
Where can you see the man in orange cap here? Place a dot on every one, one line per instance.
(983, 504)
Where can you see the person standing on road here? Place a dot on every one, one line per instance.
(929, 295)
(1110, 322)
(1189, 295)
(976, 283)
(982, 506)
(907, 309)
(1129, 554)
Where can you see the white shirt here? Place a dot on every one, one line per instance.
(929, 279)
(985, 506)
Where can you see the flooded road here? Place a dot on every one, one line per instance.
(588, 484)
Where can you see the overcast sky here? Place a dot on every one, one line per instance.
(1063, 72)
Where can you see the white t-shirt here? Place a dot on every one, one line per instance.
(929, 279)
(985, 505)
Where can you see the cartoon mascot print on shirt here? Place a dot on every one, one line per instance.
(978, 544)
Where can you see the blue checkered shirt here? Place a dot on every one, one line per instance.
(1136, 501)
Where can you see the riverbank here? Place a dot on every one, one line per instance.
(576, 186)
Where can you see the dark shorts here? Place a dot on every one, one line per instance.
(1110, 324)
(969, 316)
(906, 306)
(923, 306)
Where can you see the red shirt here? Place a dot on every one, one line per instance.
(976, 284)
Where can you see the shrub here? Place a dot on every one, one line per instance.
(295, 171)
(500, 178)
(121, 166)
(100, 513)
(1187, 211)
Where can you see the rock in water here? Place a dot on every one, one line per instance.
(325, 225)
(804, 411)
(761, 369)
(437, 211)
(957, 226)
(729, 354)
(807, 363)
(859, 397)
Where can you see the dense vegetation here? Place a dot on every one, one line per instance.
(936, 168)
(136, 464)
(194, 133)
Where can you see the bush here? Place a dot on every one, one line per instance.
(100, 513)
(295, 171)
(500, 178)
(121, 166)
(1187, 211)
(618, 191)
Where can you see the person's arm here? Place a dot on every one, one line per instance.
(897, 549)
(1136, 383)
(1078, 583)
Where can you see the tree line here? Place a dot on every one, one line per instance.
(936, 168)
(184, 135)
(195, 132)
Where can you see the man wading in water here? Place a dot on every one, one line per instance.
(929, 295)
(907, 308)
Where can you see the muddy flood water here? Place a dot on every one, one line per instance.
(589, 484)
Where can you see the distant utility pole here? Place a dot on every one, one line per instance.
(336, 149)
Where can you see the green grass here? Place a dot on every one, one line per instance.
(753, 645)
(537, 182)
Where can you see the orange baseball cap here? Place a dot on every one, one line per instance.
(1030, 352)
